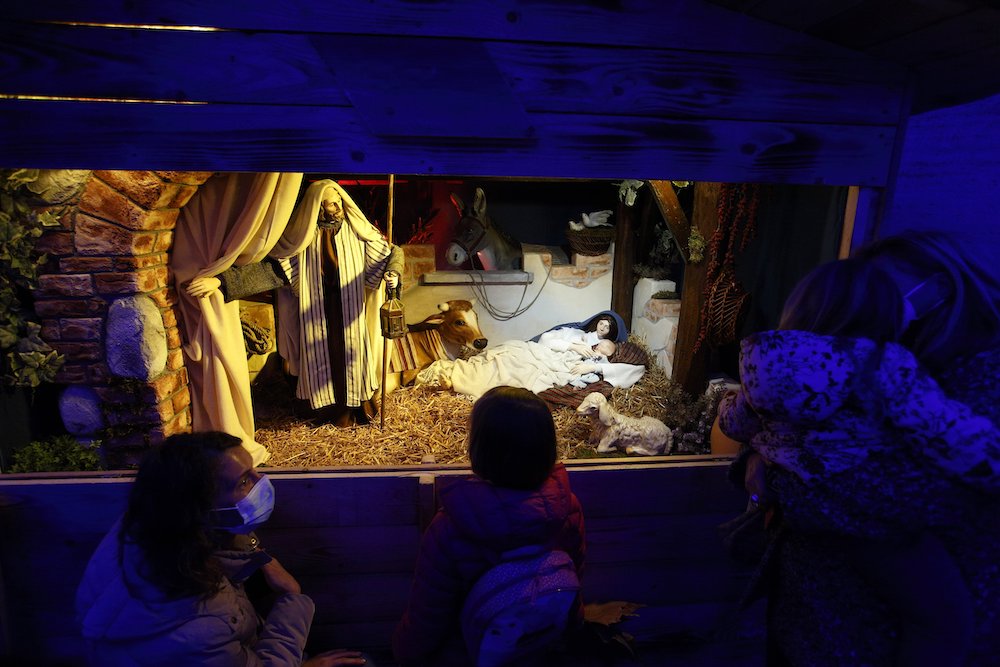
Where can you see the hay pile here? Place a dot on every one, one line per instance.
(424, 425)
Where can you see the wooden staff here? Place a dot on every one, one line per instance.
(385, 341)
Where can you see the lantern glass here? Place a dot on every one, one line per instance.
(392, 320)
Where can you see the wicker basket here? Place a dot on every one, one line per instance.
(590, 241)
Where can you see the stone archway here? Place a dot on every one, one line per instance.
(107, 302)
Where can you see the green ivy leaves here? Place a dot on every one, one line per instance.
(27, 360)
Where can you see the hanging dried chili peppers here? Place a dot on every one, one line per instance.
(725, 300)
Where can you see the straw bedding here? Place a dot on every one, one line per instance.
(424, 425)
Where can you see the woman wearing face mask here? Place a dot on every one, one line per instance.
(166, 585)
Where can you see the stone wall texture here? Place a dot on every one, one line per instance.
(114, 241)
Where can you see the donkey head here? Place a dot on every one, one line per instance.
(478, 239)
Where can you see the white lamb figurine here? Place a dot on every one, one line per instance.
(611, 429)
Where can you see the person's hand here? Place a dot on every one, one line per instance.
(280, 580)
(583, 368)
(755, 478)
(584, 350)
(202, 287)
(722, 444)
(391, 279)
(335, 658)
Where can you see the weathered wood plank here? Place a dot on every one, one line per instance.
(622, 280)
(686, 25)
(672, 538)
(351, 542)
(673, 214)
(54, 134)
(318, 550)
(657, 491)
(103, 63)
(349, 598)
(658, 583)
(49, 530)
(90, 62)
(793, 14)
(689, 368)
(699, 85)
(352, 634)
(344, 500)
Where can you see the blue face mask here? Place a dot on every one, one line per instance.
(249, 512)
(925, 297)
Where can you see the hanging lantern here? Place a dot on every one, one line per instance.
(391, 315)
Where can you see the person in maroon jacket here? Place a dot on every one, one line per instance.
(518, 497)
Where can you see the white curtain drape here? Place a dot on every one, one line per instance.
(234, 219)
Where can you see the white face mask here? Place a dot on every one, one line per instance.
(249, 512)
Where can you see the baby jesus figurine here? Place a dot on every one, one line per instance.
(592, 365)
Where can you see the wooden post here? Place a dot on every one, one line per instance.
(673, 214)
(689, 368)
(385, 341)
(622, 282)
(847, 230)
(389, 211)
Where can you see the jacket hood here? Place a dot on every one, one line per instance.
(115, 602)
(801, 377)
(505, 518)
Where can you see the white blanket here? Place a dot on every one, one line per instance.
(519, 363)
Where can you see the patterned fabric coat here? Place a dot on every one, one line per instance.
(811, 585)
(477, 522)
(826, 407)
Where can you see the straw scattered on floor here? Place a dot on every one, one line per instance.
(425, 424)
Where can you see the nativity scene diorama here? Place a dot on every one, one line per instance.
(280, 308)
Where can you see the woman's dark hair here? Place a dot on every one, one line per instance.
(848, 297)
(512, 438)
(167, 514)
(967, 320)
(612, 333)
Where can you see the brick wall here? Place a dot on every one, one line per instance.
(113, 241)
(582, 271)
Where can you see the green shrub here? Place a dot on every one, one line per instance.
(25, 359)
(57, 454)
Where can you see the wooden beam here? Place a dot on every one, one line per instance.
(308, 69)
(847, 230)
(673, 214)
(866, 215)
(232, 137)
(650, 23)
(622, 280)
(689, 368)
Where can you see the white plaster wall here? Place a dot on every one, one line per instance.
(556, 304)
(656, 323)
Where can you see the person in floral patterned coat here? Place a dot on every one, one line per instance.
(518, 497)
(951, 302)
(828, 392)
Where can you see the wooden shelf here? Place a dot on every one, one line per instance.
(477, 278)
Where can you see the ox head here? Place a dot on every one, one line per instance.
(457, 323)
